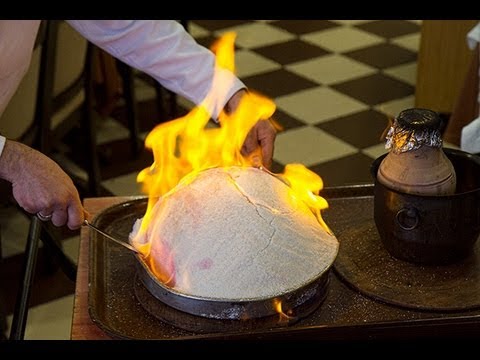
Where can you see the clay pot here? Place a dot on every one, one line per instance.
(425, 171)
(431, 229)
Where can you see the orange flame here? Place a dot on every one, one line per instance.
(186, 146)
(305, 185)
(283, 316)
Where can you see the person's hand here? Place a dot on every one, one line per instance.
(261, 137)
(40, 186)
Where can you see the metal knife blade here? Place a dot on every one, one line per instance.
(124, 244)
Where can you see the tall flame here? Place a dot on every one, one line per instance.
(186, 146)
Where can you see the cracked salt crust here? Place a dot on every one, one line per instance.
(233, 234)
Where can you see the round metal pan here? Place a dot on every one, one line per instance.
(285, 303)
(118, 221)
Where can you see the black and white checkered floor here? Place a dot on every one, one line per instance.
(335, 84)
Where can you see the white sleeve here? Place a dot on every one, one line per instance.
(473, 37)
(2, 143)
(168, 53)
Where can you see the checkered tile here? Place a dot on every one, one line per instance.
(335, 82)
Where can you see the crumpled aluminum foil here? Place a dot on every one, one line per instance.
(401, 140)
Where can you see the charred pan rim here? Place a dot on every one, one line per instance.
(235, 309)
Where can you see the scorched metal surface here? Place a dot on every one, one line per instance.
(346, 313)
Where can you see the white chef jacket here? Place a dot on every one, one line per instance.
(160, 48)
(165, 51)
(473, 38)
(470, 135)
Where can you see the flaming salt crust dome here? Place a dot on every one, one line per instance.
(234, 234)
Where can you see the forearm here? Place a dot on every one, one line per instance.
(13, 155)
(165, 51)
(39, 185)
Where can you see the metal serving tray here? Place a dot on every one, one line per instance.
(348, 311)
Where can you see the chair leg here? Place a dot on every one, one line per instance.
(126, 72)
(3, 305)
(93, 167)
(173, 105)
(36, 233)
(159, 94)
(90, 131)
(17, 331)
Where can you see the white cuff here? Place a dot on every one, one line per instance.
(2, 143)
(473, 37)
(469, 137)
(224, 85)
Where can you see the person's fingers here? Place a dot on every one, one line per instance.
(261, 136)
(73, 216)
(40, 186)
(86, 215)
(76, 215)
(266, 134)
(59, 217)
(250, 143)
(267, 145)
